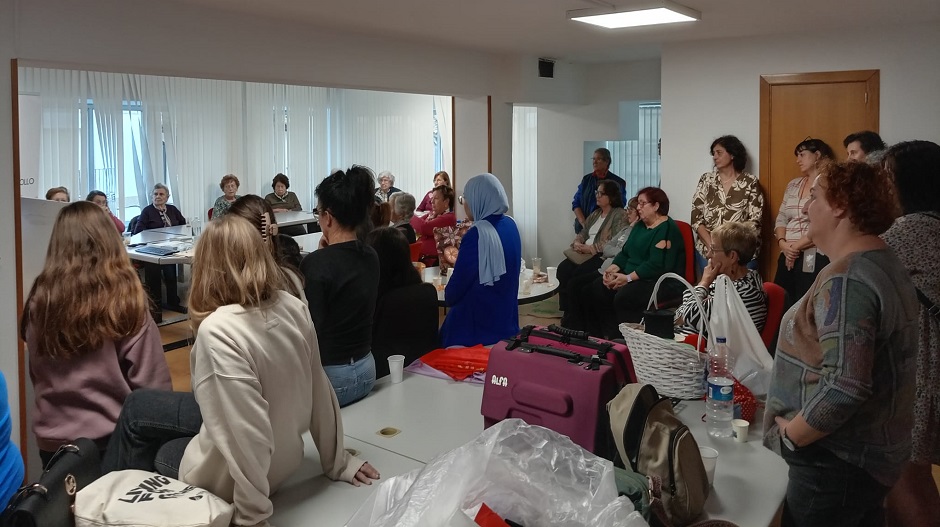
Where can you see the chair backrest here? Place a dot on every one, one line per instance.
(415, 251)
(210, 214)
(406, 323)
(689, 241)
(776, 299)
(131, 225)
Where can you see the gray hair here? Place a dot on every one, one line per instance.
(386, 174)
(164, 187)
(403, 204)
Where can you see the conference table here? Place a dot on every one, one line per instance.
(401, 427)
(537, 292)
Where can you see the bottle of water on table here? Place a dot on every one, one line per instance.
(719, 404)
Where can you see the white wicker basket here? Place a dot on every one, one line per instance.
(675, 369)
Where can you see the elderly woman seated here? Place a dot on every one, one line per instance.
(732, 247)
(403, 209)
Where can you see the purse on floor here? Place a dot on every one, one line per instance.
(48, 502)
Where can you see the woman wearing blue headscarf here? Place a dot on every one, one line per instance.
(483, 292)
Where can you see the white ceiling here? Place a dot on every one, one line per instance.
(540, 28)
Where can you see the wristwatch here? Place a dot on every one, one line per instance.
(791, 446)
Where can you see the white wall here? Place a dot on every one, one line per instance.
(8, 322)
(711, 88)
(562, 131)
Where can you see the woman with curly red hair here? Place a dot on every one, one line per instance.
(840, 399)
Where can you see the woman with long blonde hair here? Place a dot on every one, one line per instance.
(88, 328)
(257, 385)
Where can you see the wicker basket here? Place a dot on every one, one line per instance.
(675, 369)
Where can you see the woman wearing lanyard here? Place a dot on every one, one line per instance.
(799, 261)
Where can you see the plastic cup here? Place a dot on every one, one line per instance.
(536, 266)
(710, 460)
(526, 287)
(739, 428)
(552, 273)
(396, 365)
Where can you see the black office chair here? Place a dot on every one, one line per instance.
(405, 323)
(131, 225)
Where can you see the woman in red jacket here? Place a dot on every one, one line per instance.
(441, 215)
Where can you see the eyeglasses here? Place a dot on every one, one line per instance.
(640, 203)
(716, 249)
(599, 193)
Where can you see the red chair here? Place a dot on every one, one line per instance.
(689, 241)
(415, 251)
(776, 299)
(210, 214)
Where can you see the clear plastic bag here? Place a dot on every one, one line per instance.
(524, 473)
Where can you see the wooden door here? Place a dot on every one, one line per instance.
(827, 106)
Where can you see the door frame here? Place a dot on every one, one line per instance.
(872, 80)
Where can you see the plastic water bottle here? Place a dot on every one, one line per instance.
(719, 405)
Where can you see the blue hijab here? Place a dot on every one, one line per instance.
(485, 196)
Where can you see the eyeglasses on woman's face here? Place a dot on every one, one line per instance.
(641, 203)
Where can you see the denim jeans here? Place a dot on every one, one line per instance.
(352, 381)
(825, 491)
(152, 432)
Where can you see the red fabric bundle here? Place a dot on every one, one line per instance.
(459, 363)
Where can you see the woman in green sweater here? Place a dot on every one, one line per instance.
(655, 247)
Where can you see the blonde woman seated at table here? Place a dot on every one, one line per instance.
(403, 209)
(229, 186)
(58, 194)
(258, 385)
(732, 248)
(586, 253)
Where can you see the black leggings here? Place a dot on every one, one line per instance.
(569, 271)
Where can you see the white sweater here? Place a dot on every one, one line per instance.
(258, 379)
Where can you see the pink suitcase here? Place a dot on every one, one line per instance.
(562, 386)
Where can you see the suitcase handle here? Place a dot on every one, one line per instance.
(572, 333)
(572, 357)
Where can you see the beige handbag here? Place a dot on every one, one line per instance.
(576, 257)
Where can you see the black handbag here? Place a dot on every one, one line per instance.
(49, 502)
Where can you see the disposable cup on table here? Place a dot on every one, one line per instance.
(552, 274)
(536, 266)
(710, 460)
(739, 429)
(396, 365)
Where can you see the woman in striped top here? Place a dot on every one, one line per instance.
(733, 246)
(799, 262)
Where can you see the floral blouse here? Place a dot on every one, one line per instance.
(711, 206)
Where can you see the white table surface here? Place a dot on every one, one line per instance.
(537, 292)
(433, 415)
(181, 230)
(750, 480)
(295, 217)
(310, 498)
(308, 242)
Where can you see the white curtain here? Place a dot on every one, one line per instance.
(525, 169)
(188, 133)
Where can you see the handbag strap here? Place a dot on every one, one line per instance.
(932, 309)
(702, 324)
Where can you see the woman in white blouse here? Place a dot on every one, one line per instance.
(799, 261)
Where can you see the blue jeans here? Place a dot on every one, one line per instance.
(352, 381)
(825, 491)
(152, 432)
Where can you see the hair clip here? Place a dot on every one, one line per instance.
(265, 226)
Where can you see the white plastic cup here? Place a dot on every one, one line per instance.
(526, 287)
(552, 273)
(710, 460)
(739, 429)
(396, 365)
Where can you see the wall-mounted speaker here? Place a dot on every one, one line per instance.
(547, 68)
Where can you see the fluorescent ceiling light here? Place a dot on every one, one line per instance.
(661, 12)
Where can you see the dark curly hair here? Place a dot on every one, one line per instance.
(733, 146)
(914, 165)
(814, 146)
(865, 193)
(282, 179)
